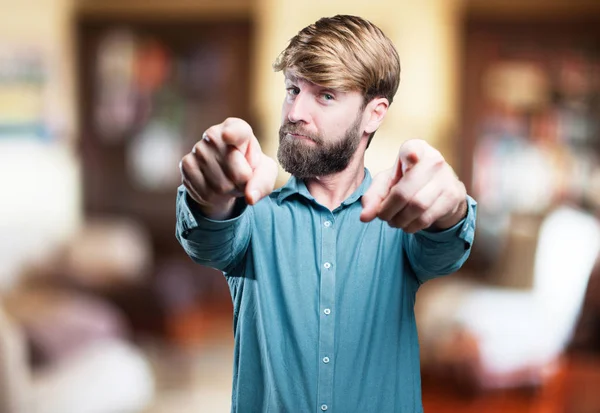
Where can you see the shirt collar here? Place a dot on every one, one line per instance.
(297, 186)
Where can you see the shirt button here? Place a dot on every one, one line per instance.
(323, 407)
(327, 224)
(325, 360)
(327, 265)
(327, 311)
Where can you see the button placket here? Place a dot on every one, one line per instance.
(326, 319)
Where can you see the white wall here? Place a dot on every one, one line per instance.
(39, 181)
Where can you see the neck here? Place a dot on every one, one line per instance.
(332, 190)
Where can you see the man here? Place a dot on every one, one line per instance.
(323, 272)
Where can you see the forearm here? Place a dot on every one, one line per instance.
(434, 253)
(214, 243)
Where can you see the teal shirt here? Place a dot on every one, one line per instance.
(323, 304)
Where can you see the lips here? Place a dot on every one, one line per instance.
(300, 137)
(297, 133)
(296, 136)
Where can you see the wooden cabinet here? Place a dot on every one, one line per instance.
(148, 88)
(531, 110)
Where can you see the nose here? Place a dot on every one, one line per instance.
(299, 110)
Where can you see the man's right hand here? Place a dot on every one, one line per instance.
(227, 163)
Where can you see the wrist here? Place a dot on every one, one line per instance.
(218, 211)
(454, 217)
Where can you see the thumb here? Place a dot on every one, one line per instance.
(253, 153)
(263, 179)
(375, 195)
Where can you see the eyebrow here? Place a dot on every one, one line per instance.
(291, 78)
(295, 79)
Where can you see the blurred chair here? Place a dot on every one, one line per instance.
(64, 348)
(107, 376)
(105, 253)
(497, 337)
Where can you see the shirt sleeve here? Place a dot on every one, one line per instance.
(216, 244)
(433, 254)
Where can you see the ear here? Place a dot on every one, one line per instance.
(374, 114)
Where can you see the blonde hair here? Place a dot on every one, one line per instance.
(345, 53)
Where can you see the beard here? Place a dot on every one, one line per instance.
(306, 160)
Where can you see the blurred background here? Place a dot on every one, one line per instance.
(102, 312)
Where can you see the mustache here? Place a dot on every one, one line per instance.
(296, 129)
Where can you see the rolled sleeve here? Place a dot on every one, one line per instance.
(213, 243)
(432, 254)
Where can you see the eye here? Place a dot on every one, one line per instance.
(328, 96)
(293, 90)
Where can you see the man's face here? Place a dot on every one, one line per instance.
(320, 129)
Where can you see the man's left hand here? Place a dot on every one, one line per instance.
(419, 192)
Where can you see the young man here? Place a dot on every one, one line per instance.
(323, 272)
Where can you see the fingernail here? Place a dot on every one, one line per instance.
(254, 196)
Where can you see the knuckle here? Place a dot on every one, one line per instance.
(400, 223)
(393, 223)
(228, 122)
(227, 135)
(455, 197)
(461, 190)
(243, 176)
(200, 153)
(425, 220)
(399, 192)
(228, 132)
(438, 159)
(271, 165)
(450, 197)
(232, 127)
(418, 204)
(410, 229)
(187, 164)
(224, 187)
(437, 154)
(213, 132)
(196, 149)
(415, 142)
(414, 228)
(239, 179)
